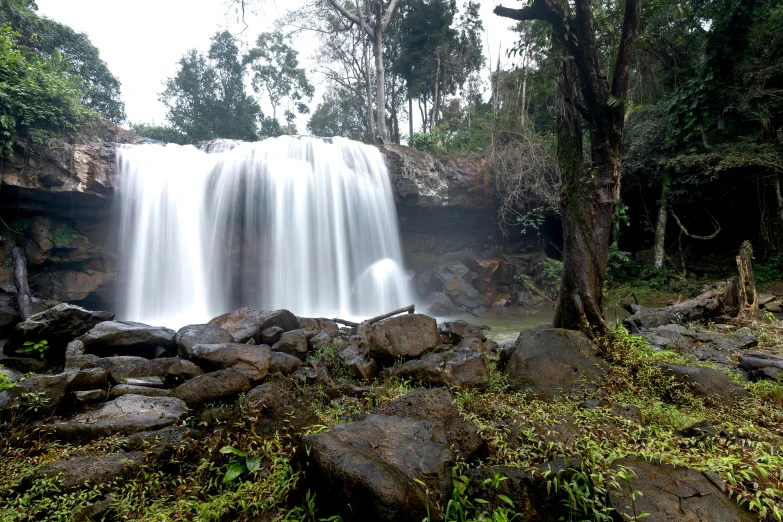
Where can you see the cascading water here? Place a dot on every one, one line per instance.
(302, 223)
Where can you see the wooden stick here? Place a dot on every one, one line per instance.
(23, 296)
(409, 309)
(347, 323)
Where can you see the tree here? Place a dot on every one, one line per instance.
(206, 99)
(375, 32)
(589, 191)
(338, 115)
(274, 64)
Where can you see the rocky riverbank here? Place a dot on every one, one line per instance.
(269, 416)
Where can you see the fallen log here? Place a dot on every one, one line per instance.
(24, 299)
(406, 309)
(697, 309)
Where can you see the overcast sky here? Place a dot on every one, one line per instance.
(141, 40)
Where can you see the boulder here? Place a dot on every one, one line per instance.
(762, 366)
(471, 343)
(293, 343)
(526, 489)
(284, 363)
(183, 370)
(374, 467)
(319, 341)
(57, 389)
(124, 367)
(189, 336)
(91, 396)
(222, 385)
(460, 271)
(485, 269)
(422, 283)
(25, 364)
(128, 338)
(251, 360)
(131, 389)
(124, 415)
(462, 293)
(329, 326)
(407, 336)
(552, 362)
(79, 469)
(355, 356)
(11, 375)
(9, 314)
(459, 330)
(439, 305)
(308, 326)
(58, 325)
(271, 335)
(671, 493)
(277, 407)
(459, 368)
(437, 405)
(707, 382)
(245, 324)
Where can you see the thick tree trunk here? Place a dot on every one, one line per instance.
(380, 79)
(779, 196)
(410, 118)
(23, 296)
(660, 237)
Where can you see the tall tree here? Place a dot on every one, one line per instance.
(276, 72)
(589, 191)
(375, 32)
(206, 98)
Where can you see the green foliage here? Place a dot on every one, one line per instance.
(9, 261)
(5, 382)
(38, 98)
(246, 464)
(40, 348)
(66, 233)
(163, 133)
(552, 274)
(771, 269)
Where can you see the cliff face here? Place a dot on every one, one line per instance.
(56, 202)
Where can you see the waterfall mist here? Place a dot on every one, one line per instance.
(302, 223)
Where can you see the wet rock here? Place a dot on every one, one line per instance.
(9, 314)
(147, 382)
(407, 336)
(439, 305)
(552, 362)
(373, 465)
(308, 326)
(762, 366)
(271, 335)
(437, 405)
(58, 325)
(189, 336)
(128, 338)
(11, 375)
(319, 341)
(183, 370)
(251, 360)
(57, 389)
(122, 368)
(131, 389)
(245, 323)
(527, 491)
(293, 343)
(277, 407)
(471, 343)
(284, 363)
(77, 470)
(355, 356)
(707, 382)
(462, 293)
(24, 364)
(222, 385)
(672, 493)
(329, 326)
(460, 271)
(698, 429)
(91, 396)
(124, 415)
(485, 269)
(422, 283)
(79, 362)
(459, 330)
(459, 368)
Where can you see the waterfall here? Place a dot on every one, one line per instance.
(301, 223)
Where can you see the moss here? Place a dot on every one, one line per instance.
(66, 233)
(19, 229)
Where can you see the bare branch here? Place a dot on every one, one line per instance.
(631, 17)
(389, 13)
(352, 17)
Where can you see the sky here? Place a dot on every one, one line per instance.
(141, 40)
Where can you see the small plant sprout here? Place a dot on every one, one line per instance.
(39, 347)
(245, 464)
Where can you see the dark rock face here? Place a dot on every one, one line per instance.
(458, 368)
(527, 490)
(436, 405)
(552, 362)
(407, 336)
(9, 314)
(124, 367)
(293, 343)
(125, 415)
(377, 480)
(80, 469)
(189, 336)
(762, 366)
(58, 325)
(251, 360)
(456, 331)
(245, 323)
(221, 385)
(57, 389)
(355, 356)
(707, 382)
(278, 408)
(284, 363)
(128, 338)
(130, 389)
(183, 370)
(671, 493)
(439, 304)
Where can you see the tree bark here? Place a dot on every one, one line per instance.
(588, 195)
(410, 118)
(660, 237)
(748, 306)
(23, 296)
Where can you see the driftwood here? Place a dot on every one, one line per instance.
(699, 308)
(24, 299)
(406, 309)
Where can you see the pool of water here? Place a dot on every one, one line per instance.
(506, 323)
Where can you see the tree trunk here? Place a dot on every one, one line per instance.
(779, 196)
(748, 306)
(660, 237)
(410, 119)
(434, 117)
(380, 79)
(23, 296)
(368, 86)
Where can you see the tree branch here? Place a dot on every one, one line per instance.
(538, 10)
(622, 66)
(388, 15)
(352, 17)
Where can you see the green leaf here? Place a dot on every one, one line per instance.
(507, 500)
(235, 470)
(29, 343)
(231, 449)
(253, 464)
